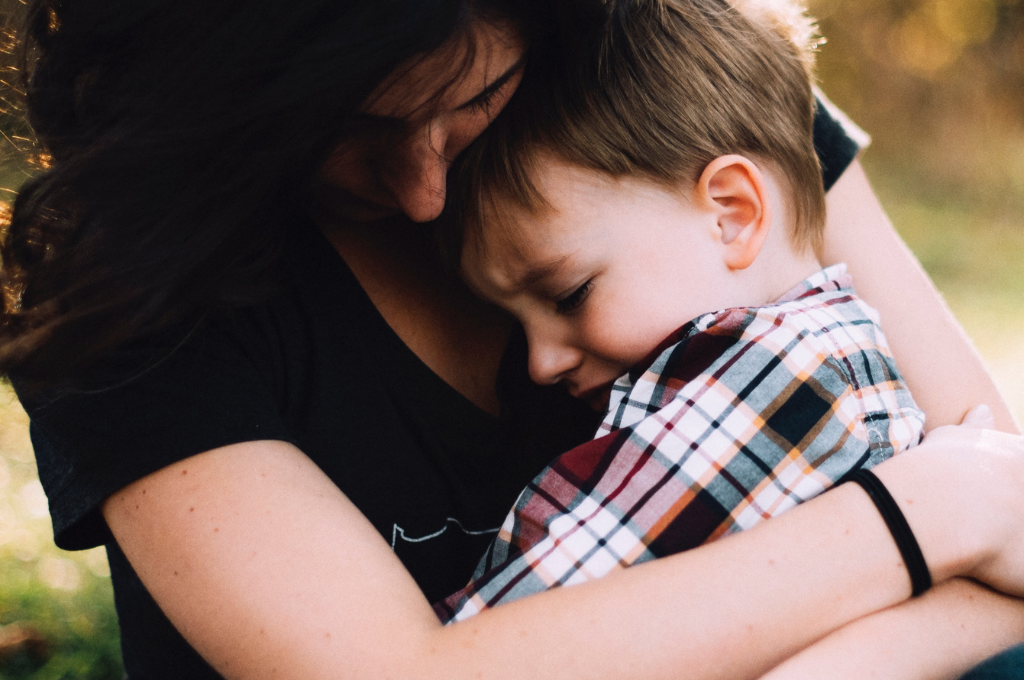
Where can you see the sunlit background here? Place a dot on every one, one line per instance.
(939, 85)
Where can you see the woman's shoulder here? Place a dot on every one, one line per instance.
(837, 139)
(232, 376)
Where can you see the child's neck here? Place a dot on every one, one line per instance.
(781, 265)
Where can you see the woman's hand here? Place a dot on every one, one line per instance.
(960, 491)
(959, 623)
(293, 582)
(993, 465)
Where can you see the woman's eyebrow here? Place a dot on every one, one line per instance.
(495, 85)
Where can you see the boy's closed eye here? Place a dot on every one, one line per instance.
(574, 299)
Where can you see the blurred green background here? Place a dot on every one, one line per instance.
(939, 85)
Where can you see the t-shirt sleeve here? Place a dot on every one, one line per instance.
(837, 139)
(145, 408)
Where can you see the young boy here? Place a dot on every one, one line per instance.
(669, 172)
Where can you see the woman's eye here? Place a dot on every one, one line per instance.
(573, 300)
(495, 99)
(484, 103)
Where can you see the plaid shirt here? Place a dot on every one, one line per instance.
(738, 416)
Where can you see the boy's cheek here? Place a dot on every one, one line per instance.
(616, 350)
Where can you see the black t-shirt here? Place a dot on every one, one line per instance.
(316, 366)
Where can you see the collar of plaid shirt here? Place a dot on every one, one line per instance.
(828, 280)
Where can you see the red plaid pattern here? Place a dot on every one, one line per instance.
(737, 417)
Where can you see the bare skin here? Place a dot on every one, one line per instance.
(312, 591)
(413, 125)
(940, 636)
(311, 588)
(961, 623)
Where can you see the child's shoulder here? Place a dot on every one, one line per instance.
(823, 312)
(819, 332)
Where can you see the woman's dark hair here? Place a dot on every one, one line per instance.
(178, 137)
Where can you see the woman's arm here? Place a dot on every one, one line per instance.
(270, 572)
(947, 377)
(939, 636)
(941, 366)
(949, 630)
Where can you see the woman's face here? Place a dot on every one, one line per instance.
(415, 123)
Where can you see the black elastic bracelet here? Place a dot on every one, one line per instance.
(920, 577)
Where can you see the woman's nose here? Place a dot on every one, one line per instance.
(551, 361)
(417, 179)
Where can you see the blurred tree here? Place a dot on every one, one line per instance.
(938, 83)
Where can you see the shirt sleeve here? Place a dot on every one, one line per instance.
(837, 139)
(148, 406)
(728, 427)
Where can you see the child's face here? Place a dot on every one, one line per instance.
(599, 280)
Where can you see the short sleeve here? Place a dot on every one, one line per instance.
(148, 406)
(837, 139)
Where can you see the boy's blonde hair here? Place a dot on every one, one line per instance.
(656, 89)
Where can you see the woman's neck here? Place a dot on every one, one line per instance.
(459, 337)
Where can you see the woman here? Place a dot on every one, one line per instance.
(241, 415)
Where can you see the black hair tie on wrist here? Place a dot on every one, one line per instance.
(920, 577)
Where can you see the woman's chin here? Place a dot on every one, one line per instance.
(342, 205)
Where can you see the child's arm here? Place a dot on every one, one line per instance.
(938, 636)
(942, 368)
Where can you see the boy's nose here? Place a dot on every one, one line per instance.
(417, 181)
(551, 362)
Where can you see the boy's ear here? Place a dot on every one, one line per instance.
(737, 192)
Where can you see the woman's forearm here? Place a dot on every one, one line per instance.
(776, 587)
(938, 636)
(293, 582)
(768, 592)
(941, 366)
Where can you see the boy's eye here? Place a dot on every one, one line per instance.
(574, 299)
